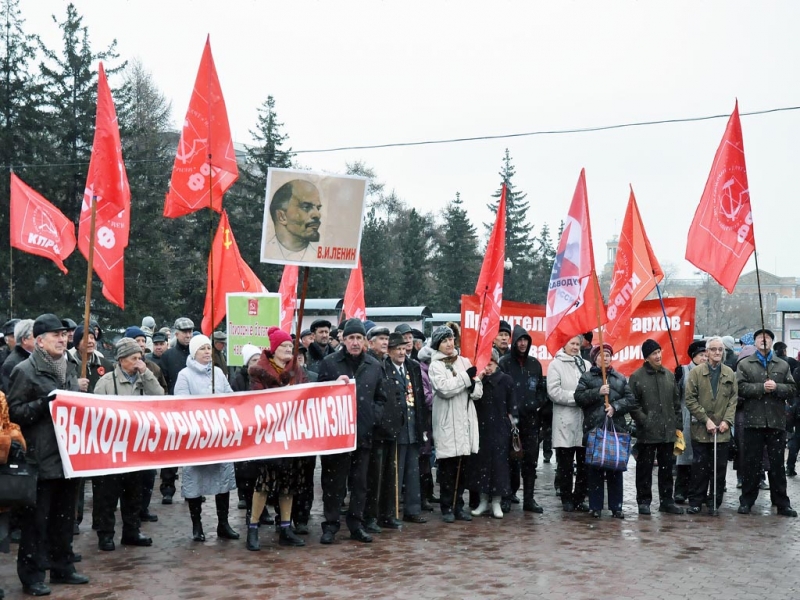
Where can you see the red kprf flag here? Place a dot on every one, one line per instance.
(38, 227)
(288, 293)
(205, 162)
(354, 306)
(636, 273)
(229, 273)
(721, 238)
(490, 286)
(107, 184)
(574, 294)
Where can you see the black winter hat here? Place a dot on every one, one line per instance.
(504, 326)
(352, 326)
(696, 347)
(403, 328)
(320, 323)
(46, 323)
(440, 334)
(766, 332)
(649, 347)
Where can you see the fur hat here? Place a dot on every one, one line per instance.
(696, 347)
(649, 347)
(126, 347)
(277, 336)
(197, 342)
(456, 328)
(440, 334)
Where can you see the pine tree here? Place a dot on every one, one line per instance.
(520, 248)
(458, 260)
(546, 255)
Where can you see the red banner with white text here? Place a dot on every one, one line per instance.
(647, 321)
(101, 435)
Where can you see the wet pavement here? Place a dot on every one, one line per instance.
(556, 555)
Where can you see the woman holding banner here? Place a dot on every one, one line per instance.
(590, 396)
(206, 480)
(281, 477)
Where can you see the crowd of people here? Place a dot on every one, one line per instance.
(420, 403)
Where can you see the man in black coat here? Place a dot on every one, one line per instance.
(319, 348)
(47, 528)
(23, 334)
(351, 467)
(531, 393)
(172, 362)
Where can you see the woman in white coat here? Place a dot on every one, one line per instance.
(456, 384)
(563, 375)
(205, 480)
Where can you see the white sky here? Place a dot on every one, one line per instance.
(353, 73)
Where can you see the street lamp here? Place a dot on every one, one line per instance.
(508, 264)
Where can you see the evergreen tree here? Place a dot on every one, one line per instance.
(546, 255)
(458, 259)
(520, 248)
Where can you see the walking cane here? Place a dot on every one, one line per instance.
(455, 491)
(396, 485)
(714, 478)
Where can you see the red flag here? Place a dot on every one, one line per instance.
(721, 238)
(354, 306)
(288, 293)
(574, 293)
(490, 286)
(230, 274)
(38, 227)
(107, 183)
(205, 138)
(636, 273)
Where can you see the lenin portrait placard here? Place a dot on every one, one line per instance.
(313, 219)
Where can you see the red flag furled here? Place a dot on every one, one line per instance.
(107, 183)
(636, 273)
(721, 238)
(574, 294)
(231, 274)
(354, 306)
(38, 227)
(490, 286)
(205, 162)
(288, 293)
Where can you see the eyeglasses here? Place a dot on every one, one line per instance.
(714, 349)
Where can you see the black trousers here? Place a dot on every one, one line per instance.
(47, 532)
(644, 472)
(339, 470)
(168, 477)
(125, 488)
(148, 483)
(304, 496)
(755, 440)
(381, 489)
(564, 458)
(683, 478)
(452, 475)
(703, 471)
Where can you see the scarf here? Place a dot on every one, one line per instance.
(275, 366)
(763, 359)
(581, 365)
(57, 366)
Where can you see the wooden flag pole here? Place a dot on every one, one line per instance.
(599, 331)
(760, 302)
(299, 330)
(669, 329)
(480, 318)
(88, 302)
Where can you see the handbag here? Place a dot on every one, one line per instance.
(607, 448)
(516, 444)
(17, 480)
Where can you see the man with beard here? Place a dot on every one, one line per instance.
(296, 214)
(530, 390)
(319, 348)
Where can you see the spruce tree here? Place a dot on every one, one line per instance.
(458, 259)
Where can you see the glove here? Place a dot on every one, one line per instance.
(472, 371)
(678, 374)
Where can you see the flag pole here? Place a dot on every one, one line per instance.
(88, 302)
(669, 329)
(211, 264)
(299, 330)
(593, 281)
(480, 318)
(10, 268)
(760, 301)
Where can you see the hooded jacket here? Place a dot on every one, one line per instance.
(455, 421)
(526, 372)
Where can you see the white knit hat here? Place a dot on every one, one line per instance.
(249, 351)
(197, 342)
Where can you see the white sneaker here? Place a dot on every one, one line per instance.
(497, 511)
(483, 507)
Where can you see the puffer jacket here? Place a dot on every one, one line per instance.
(658, 405)
(587, 396)
(526, 372)
(563, 375)
(455, 421)
(703, 405)
(29, 407)
(763, 410)
(195, 380)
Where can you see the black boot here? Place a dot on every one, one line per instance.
(252, 537)
(195, 509)
(288, 538)
(528, 503)
(224, 530)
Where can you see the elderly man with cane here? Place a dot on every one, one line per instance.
(711, 395)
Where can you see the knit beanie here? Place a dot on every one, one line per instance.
(197, 342)
(352, 326)
(649, 347)
(78, 335)
(440, 334)
(126, 347)
(595, 351)
(133, 332)
(277, 336)
(728, 342)
(248, 351)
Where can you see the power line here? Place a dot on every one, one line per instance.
(467, 139)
